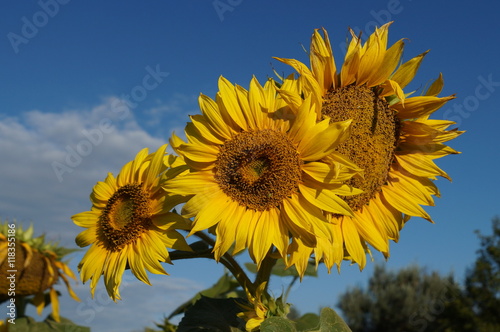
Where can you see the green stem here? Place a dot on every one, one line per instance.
(287, 292)
(264, 272)
(231, 264)
(20, 306)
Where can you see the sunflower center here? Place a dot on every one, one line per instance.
(374, 135)
(258, 169)
(126, 216)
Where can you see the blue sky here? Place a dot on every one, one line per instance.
(67, 67)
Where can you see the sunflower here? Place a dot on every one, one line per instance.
(260, 174)
(36, 266)
(392, 140)
(129, 223)
(256, 311)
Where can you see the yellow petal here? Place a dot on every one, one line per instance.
(228, 97)
(150, 257)
(175, 240)
(393, 196)
(198, 201)
(39, 302)
(155, 167)
(246, 230)
(132, 169)
(87, 237)
(257, 102)
(86, 219)
(373, 56)
(68, 287)
(170, 220)
(226, 228)
(311, 85)
(137, 265)
(420, 165)
(367, 228)
(211, 213)
(353, 242)
(200, 152)
(278, 231)
(406, 72)
(210, 110)
(388, 65)
(321, 143)
(299, 256)
(412, 188)
(416, 107)
(325, 199)
(322, 61)
(205, 130)
(102, 191)
(306, 215)
(321, 172)
(252, 119)
(188, 184)
(304, 124)
(390, 218)
(436, 86)
(54, 301)
(262, 239)
(390, 87)
(351, 61)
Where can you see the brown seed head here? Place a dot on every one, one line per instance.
(258, 169)
(374, 137)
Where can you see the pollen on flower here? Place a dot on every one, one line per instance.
(258, 169)
(373, 140)
(126, 216)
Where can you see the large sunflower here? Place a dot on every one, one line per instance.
(258, 173)
(130, 223)
(36, 264)
(392, 140)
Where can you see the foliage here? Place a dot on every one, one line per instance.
(408, 300)
(216, 309)
(413, 300)
(28, 324)
(483, 280)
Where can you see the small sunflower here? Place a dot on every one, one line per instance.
(256, 311)
(258, 173)
(36, 264)
(392, 140)
(129, 223)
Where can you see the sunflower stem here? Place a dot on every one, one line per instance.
(264, 273)
(21, 304)
(231, 264)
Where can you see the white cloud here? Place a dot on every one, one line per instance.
(141, 305)
(31, 191)
(51, 161)
(173, 114)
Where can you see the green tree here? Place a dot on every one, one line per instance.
(408, 300)
(482, 284)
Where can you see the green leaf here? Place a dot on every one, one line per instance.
(209, 314)
(330, 321)
(28, 324)
(224, 287)
(308, 321)
(279, 269)
(273, 324)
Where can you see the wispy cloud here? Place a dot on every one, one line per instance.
(34, 144)
(104, 137)
(172, 114)
(141, 305)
